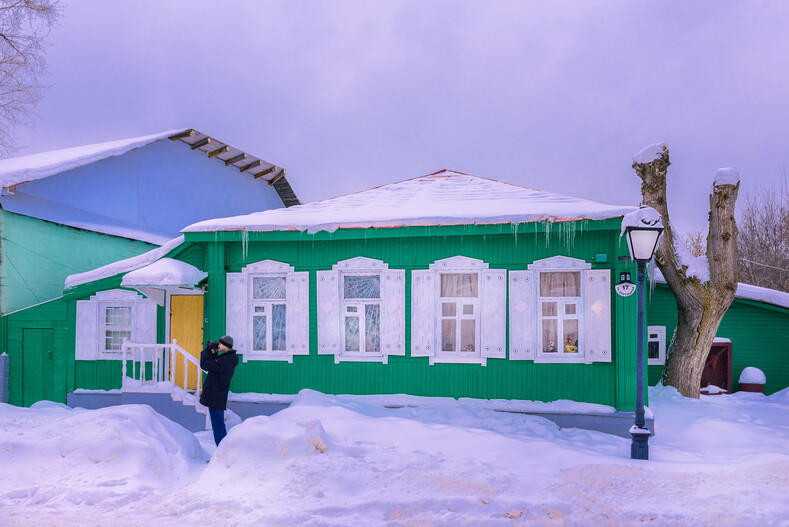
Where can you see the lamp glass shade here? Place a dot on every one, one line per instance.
(642, 242)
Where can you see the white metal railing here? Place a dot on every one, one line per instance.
(164, 360)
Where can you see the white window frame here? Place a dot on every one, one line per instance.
(552, 265)
(267, 304)
(332, 308)
(360, 305)
(91, 327)
(660, 338)
(561, 303)
(459, 302)
(490, 311)
(241, 310)
(104, 327)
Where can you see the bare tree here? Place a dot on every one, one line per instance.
(696, 243)
(700, 304)
(24, 24)
(763, 243)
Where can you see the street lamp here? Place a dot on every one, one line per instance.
(642, 228)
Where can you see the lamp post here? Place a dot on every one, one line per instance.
(642, 238)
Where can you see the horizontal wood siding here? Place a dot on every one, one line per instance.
(500, 379)
(759, 335)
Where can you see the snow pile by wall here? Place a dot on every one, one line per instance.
(37, 166)
(54, 454)
(444, 198)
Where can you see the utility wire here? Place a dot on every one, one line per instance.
(5, 254)
(764, 265)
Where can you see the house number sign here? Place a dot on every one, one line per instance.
(625, 287)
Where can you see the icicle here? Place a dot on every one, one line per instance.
(547, 233)
(244, 244)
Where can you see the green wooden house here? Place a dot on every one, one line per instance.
(443, 285)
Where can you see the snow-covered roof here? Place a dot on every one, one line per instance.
(749, 292)
(164, 272)
(443, 198)
(123, 266)
(22, 169)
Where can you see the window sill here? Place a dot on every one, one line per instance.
(265, 356)
(483, 361)
(338, 358)
(560, 359)
(656, 362)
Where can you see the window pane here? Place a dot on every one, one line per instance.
(560, 284)
(467, 335)
(118, 316)
(278, 327)
(269, 288)
(549, 334)
(448, 309)
(453, 285)
(570, 309)
(259, 333)
(351, 333)
(468, 309)
(549, 309)
(570, 338)
(448, 335)
(653, 350)
(372, 328)
(362, 287)
(260, 309)
(114, 339)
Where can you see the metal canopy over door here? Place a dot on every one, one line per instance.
(186, 327)
(38, 372)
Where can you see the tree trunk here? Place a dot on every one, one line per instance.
(700, 305)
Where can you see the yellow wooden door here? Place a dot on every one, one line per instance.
(186, 327)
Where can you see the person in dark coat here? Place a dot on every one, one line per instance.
(219, 360)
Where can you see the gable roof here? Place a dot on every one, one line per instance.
(442, 198)
(19, 170)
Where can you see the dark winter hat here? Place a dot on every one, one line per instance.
(227, 340)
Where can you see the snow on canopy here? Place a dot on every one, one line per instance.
(649, 153)
(726, 176)
(443, 198)
(123, 266)
(38, 166)
(164, 272)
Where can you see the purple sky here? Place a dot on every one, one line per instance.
(557, 96)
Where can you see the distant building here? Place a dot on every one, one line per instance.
(68, 211)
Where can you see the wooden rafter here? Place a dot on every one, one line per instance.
(279, 175)
(181, 135)
(214, 153)
(262, 173)
(253, 164)
(202, 142)
(235, 159)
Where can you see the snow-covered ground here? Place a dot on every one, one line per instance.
(350, 460)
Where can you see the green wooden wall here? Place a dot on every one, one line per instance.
(38, 255)
(759, 334)
(603, 383)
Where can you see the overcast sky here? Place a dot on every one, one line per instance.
(347, 95)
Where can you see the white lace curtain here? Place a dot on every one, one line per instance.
(560, 284)
(459, 285)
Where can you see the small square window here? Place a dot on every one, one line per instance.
(362, 286)
(468, 309)
(268, 288)
(448, 309)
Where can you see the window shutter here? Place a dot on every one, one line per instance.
(493, 313)
(328, 293)
(144, 322)
(423, 313)
(597, 315)
(87, 330)
(297, 314)
(523, 315)
(236, 303)
(393, 327)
